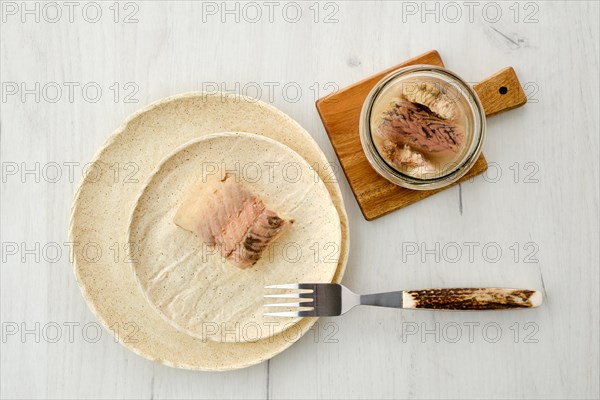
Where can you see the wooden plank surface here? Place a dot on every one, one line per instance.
(537, 203)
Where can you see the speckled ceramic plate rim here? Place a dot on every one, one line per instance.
(307, 323)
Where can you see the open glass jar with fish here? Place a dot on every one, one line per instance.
(422, 127)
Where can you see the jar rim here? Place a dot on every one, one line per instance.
(399, 178)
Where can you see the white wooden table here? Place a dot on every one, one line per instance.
(532, 221)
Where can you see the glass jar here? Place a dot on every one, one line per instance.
(422, 127)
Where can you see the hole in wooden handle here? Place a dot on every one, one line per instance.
(495, 95)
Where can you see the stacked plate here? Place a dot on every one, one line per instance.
(154, 285)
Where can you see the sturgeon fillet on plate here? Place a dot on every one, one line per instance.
(224, 213)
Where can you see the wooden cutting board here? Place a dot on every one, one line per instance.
(340, 113)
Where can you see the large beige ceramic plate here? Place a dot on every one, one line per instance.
(105, 198)
(190, 284)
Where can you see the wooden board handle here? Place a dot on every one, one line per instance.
(471, 299)
(500, 92)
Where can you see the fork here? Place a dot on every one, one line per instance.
(332, 299)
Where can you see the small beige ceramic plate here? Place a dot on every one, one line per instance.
(104, 202)
(189, 283)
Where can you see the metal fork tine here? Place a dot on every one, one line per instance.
(290, 296)
(285, 286)
(291, 314)
(288, 305)
(309, 300)
(302, 286)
